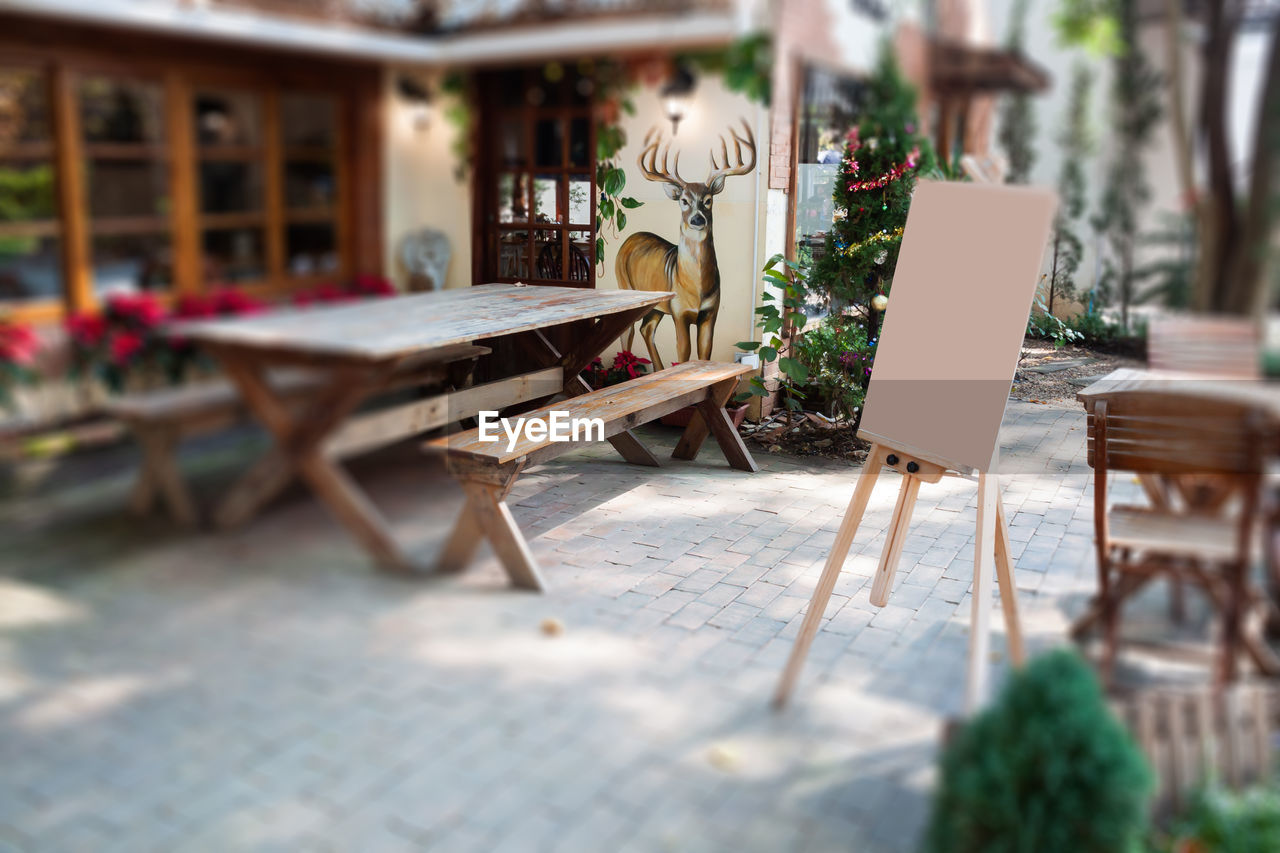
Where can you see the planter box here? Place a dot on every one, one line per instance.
(682, 417)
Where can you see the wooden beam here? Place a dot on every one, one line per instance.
(187, 266)
(76, 269)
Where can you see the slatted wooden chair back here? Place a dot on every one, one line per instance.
(1218, 346)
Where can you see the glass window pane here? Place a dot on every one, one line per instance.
(27, 191)
(308, 121)
(308, 183)
(24, 106)
(233, 254)
(513, 206)
(511, 143)
(582, 254)
(127, 187)
(580, 199)
(129, 263)
(513, 254)
(548, 142)
(546, 206)
(121, 110)
(228, 118)
(579, 142)
(30, 269)
(230, 186)
(311, 249)
(547, 255)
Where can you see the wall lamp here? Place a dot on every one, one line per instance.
(677, 92)
(417, 98)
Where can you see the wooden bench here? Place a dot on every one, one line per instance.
(487, 470)
(160, 419)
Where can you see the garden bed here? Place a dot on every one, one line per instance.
(808, 435)
(1049, 375)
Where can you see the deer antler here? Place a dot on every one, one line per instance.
(650, 169)
(720, 171)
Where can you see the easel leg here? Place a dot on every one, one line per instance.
(1008, 589)
(892, 552)
(983, 570)
(830, 573)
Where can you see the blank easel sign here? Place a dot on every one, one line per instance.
(966, 277)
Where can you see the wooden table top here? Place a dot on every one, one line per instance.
(1232, 389)
(394, 327)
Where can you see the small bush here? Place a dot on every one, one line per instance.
(1046, 769)
(1226, 822)
(838, 359)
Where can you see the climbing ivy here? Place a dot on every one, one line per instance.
(613, 85)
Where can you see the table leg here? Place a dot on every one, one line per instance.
(300, 440)
(606, 329)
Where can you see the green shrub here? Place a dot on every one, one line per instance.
(1046, 769)
(839, 359)
(1226, 822)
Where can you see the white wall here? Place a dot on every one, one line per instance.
(419, 187)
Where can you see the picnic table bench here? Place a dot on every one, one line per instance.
(487, 469)
(160, 418)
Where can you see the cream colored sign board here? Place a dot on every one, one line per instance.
(958, 307)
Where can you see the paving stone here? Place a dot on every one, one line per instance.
(266, 690)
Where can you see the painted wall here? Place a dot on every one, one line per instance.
(419, 184)
(738, 216)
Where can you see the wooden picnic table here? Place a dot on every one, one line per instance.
(356, 349)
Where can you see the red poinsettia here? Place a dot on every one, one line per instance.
(124, 345)
(372, 285)
(139, 310)
(87, 328)
(631, 364)
(229, 301)
(18, 344)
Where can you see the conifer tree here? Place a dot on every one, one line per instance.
(883, 155)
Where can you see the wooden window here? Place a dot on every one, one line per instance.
(309, 130)
(30, 225)
(536, 180)
(126, 182)
(171, 177)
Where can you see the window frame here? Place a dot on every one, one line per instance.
(355, 247)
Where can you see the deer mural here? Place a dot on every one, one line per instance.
(688, 268)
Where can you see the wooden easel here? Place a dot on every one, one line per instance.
(992, 547)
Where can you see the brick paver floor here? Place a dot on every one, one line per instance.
(265, 690)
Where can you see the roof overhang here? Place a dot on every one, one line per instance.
(593, 37)
(963, 69)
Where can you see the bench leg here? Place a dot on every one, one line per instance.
(487, 512)
(628, 446)
(160, 473)
(711, 419)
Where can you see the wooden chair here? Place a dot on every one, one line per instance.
(1206, 461)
